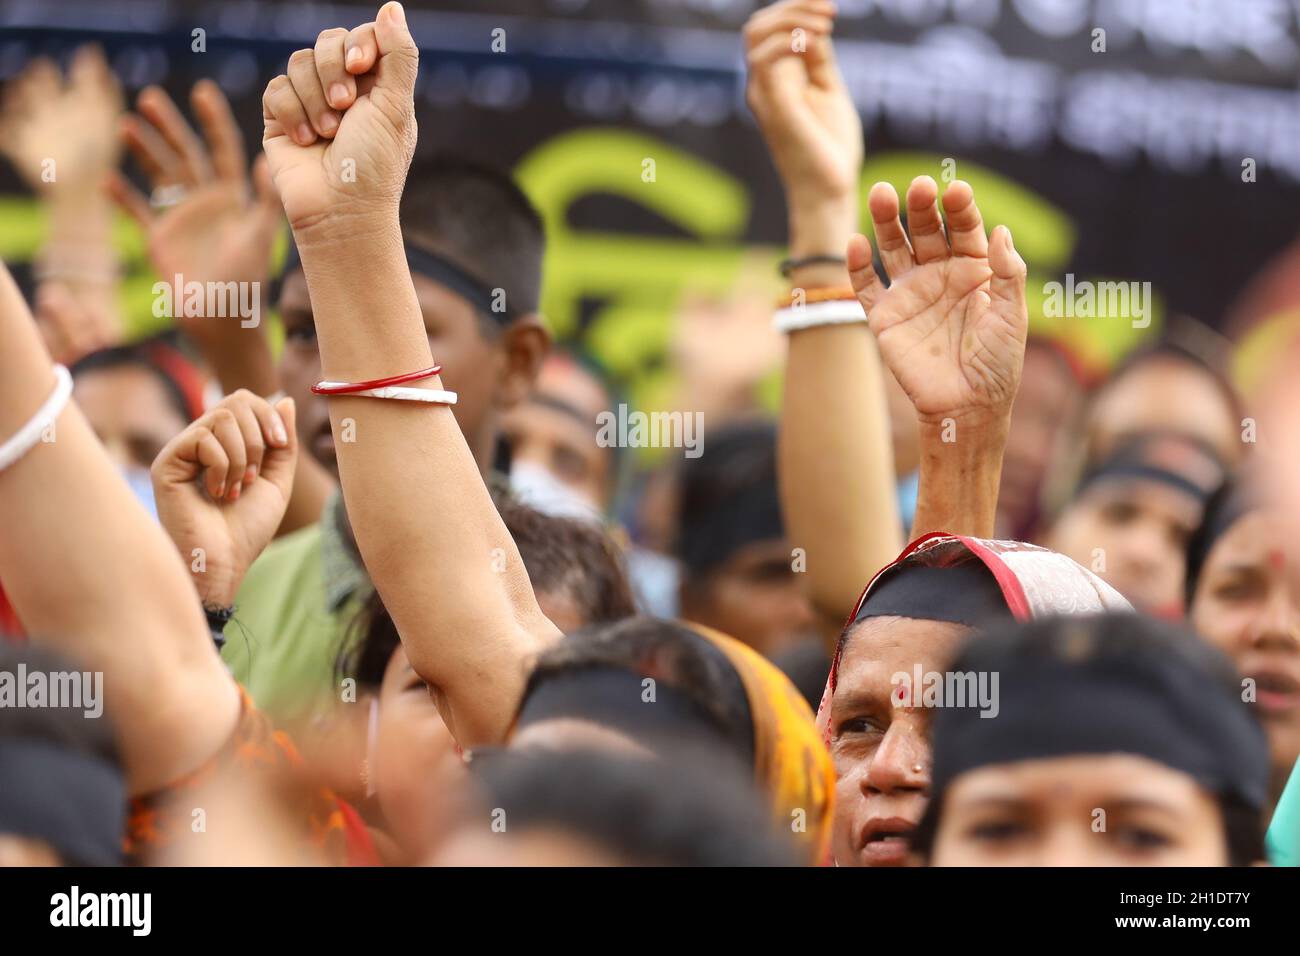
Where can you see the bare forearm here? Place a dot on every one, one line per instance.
(424, 522)
(836, 463)
(79, 250)
(835, 455)
(94, 578)
(312, 487)
(961, 466)
(239, 357)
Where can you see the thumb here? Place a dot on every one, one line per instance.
(1007, 287)
(399, 58)
(279, 464)
(862, 272)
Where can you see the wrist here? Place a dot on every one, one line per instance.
(960, 472)
(963, 444)
(821, 225)
(340, 234)
(987, 422)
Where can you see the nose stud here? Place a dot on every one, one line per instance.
(916, 768)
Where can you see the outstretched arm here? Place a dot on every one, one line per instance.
(60, 133)
(835, 457)
(220, 230)
(424, 522)
(93, 577)
(219, 226)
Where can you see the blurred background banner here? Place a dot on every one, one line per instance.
(1121, 140)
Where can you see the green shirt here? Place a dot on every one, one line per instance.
(292, 616)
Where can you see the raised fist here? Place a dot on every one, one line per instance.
(340, 125)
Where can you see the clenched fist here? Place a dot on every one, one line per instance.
(222, 486)
(340, 125)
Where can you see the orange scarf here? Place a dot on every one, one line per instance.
(790, 760)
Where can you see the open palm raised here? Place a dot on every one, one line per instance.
(952, 324)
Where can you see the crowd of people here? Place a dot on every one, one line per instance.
(377, 594)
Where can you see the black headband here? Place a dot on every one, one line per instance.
(1148, 457)
(1131, 469)
(614, 697)
(1164, 709)
(752, 514)
(965, 593)
(492, 303)
(75, 802)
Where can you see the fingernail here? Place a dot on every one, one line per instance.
(398, 13)
(250, 475)
(221, 490)
(304, 134)
(278, 432)
(339, 92)
(328, 122)
(234, 493)
(354, 55)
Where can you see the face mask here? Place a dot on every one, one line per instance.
(141, 487)
(538, 488)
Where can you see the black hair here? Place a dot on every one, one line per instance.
(728, 498)
(476, 216)
(641, 812)
(671, 654)
(1141, 649)
(807, 665)
(1233, 500)
(562, 556)
(134, 356)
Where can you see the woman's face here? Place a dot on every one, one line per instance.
(880, 747)
(1133, 534)
(1088, 810)
(1164, 394)
(129, 410)
(414, 763)
(1247, 602)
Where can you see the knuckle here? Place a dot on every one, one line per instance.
(300, 58)
(273, 89)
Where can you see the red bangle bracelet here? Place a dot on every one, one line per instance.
(347, 388)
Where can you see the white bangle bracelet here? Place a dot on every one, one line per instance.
(834, 312)
(434, 396)
(26, 438)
